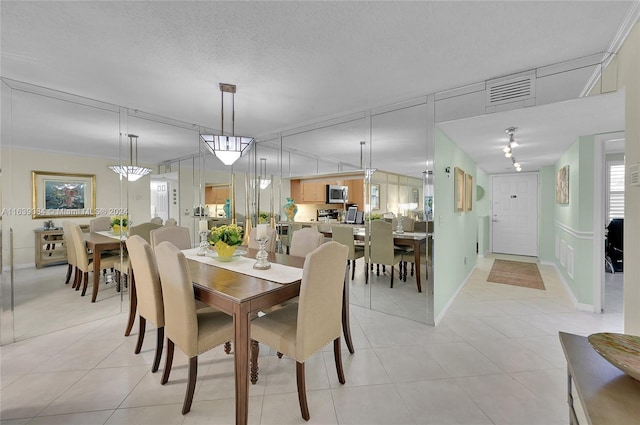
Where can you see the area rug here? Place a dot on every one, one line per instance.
(516, 273)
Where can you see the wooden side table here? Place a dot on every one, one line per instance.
(49, 247)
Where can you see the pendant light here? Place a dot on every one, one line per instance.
(131, 172)
(227, 149)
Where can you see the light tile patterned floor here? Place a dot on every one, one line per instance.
(494, 359)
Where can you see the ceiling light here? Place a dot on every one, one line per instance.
(131, 172)
(227, 149)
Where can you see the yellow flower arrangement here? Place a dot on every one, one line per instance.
(231, 234)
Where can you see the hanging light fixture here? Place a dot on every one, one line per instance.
(264, 181)
(227, 149)
(516, 164)
(512, 142)
(131, 172)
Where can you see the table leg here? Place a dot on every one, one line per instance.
(346, 327)
(416, 261)
(133, 302)
(242, 334)
(96, 272)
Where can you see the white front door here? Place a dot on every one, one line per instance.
(514, 214)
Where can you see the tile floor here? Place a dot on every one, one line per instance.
(494, 359)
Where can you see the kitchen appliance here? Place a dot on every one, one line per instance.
(337, 194)
(328, 214)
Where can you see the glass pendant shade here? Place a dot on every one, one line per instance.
(131, 172)
(227, 149)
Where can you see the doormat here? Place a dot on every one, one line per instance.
(516, 273)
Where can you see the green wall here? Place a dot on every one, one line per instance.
(483, 211)
(455, 232)
(546, 210)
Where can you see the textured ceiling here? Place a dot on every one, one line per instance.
(293, 62)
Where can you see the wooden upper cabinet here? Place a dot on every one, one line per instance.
(314, 192)
(356, 192)
(216, 195)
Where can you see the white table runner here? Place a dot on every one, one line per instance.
(108, 234)
(278, 273)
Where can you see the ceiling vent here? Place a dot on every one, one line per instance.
(510, 89)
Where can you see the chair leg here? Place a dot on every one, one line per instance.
(391, 277)
(159, 344)
(168, 361)
(279, 354)
(255, 350)
(412, 271)
(69, 270)
(227, 347)
(85, 283)
(141, 330)
(191, 384)
(77, 279)
(337, 355)
(378, 270)
(302, 391)
(353, 269)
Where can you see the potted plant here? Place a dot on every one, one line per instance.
(119, 224)
(226, 238)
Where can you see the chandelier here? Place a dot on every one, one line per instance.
(508, 150)
(131, 172)
(227, 149)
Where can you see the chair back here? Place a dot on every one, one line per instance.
(304, 241)
(344, 235)
(68, 241)
(177, 235)
(292, 228)
(100, 224)
(144, 230)
(157, 220)
(148, 288)
(181, 323)
(271, 243)
(320, 304)
(381, 247)
(171, 222)
(408, 224)
(79, 245)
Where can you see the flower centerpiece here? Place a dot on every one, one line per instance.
(226, 238)
(119, 224)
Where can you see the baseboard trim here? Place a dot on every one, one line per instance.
(453, 298)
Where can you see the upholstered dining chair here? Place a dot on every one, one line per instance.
(344, 235)
(171, 222)
(157, 220)
(177, 235)
(144, 231)
(71, 253)
(194, 332)
(380, 248)
(291, 229)
(100, 224)
(149, 293)
(304, 241)
(301, 329)
(84, 265)
(271, 243)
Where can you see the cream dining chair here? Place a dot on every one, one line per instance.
(379, 248)
(304, 241)
(194, 332)
(100, 224)
(148, 291)
(122, 267)
(171, 222)
(344, 235)
(301, 329)
(71, 253)
(177, 235)
(157, 220)
(83, 263)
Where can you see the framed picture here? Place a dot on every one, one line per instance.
(562, 185)
(63, 195)
(458, 188)
(468, 192)
(375, 196)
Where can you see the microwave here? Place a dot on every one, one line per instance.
(337, 194)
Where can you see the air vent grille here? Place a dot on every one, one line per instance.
(634, 174)
(510, 90)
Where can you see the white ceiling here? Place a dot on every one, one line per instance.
(300, 62)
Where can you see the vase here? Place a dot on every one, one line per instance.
(290, 209)
(227, 208)
(117, 229)
(225, 252)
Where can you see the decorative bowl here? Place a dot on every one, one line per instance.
(621, 350)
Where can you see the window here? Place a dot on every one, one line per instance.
(615, 190)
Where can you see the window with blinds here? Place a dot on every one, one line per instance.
(615, 190)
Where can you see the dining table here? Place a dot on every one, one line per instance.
(98, 242)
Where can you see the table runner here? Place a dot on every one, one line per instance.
(108, 234)
(277, 273)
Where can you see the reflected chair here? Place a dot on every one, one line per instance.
(156, 220)
(149, 292)
(291, 229)
(301, 329)
(379, 249)
(143, 230)
(304, 241)
(71, 253)
(84, 264)
(344, 236)
(271, 243)
(100, 224)
(177, 235)
(171, 222)
(194, 332)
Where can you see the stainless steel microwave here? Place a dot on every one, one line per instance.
(337, 194)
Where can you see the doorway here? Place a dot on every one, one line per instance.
(514, 214)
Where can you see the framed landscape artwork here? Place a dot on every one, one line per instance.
(63, 195)
(562, 185)
(458, 188)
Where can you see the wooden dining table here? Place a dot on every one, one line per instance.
(98, 243)
(241, 296)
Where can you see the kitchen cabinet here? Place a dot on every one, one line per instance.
(216, 195)
(314, 192)
(356, 192)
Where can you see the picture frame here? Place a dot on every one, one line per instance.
(562, 185)
(415, 195)
(375, 196)
(458, 189)
(468, 192)
(59, 195)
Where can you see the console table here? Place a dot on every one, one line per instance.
(49, 246)
(607, 395)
